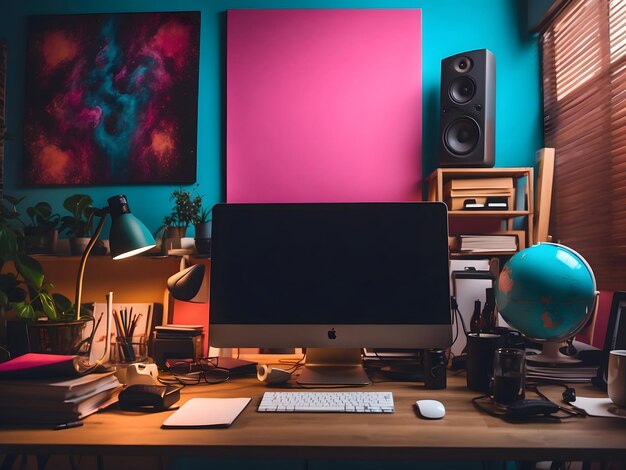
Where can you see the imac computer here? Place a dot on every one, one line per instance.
(332, 278)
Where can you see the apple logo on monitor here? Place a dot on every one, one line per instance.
(332, 334)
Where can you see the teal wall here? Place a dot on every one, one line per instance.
(449, 27)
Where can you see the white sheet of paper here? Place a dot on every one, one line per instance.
(600, 407)
(206, 412)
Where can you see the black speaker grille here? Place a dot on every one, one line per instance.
(462, 136)
(462, 90)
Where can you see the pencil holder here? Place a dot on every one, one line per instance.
(129, 350)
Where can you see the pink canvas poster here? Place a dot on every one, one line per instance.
(323, 105)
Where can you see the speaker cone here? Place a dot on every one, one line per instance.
(462, 90)
(461, 136)
(463, 64)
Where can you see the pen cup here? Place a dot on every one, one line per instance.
(129, 350)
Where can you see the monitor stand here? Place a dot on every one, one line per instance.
(330, 367)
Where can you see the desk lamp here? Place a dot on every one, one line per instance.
(190, 285)
(128, 237)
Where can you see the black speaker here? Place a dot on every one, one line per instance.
(467, 112)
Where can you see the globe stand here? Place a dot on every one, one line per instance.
(552, 356)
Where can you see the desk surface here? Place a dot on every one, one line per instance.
(464, 434)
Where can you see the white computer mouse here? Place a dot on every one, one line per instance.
(431, 409)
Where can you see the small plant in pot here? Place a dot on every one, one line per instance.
(185, 212)
(42, 233)
(80, 223)
(203, 228)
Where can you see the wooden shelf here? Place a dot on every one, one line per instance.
(523, 182)
(487, 213)
(136, 279)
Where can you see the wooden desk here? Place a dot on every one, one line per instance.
(464, 434)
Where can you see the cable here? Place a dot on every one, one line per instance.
(569, 395)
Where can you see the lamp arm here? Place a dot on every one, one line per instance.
(83, 261)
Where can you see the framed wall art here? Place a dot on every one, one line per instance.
(111, 99)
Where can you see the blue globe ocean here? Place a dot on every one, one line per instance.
(546, 292)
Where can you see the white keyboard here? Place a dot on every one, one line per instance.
(327, 402)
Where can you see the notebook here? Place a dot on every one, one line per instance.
(42, 366)
(206, 412)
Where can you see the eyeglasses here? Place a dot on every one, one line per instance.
(195, 372)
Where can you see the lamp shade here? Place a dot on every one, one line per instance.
(128, 235)
(191, 284)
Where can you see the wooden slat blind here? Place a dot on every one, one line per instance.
(584, 80)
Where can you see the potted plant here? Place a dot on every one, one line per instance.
(185, 212)
(42, 233)
(25, 295)
(79, 223)
(203, 228)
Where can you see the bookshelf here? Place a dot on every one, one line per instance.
(519, 212)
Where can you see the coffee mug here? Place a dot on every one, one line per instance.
(480, 350)
(616, 377)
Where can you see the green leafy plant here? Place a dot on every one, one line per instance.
(186, 209)
(24, 289)
(42, 219)
(79, 224)
(204, 216)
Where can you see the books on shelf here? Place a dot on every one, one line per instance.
(56, 401)
(499, 182)
(480, 193)
(486, 243)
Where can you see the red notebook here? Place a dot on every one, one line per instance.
(42, 366)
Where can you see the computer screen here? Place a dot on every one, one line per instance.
(330, 275)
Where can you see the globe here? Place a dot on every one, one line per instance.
(547, 292)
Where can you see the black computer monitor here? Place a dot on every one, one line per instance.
(334, 276)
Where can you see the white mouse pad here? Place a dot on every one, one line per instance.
(206, 412)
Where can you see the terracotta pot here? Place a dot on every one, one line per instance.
(78, 245)
(172, 238)
(176, 232)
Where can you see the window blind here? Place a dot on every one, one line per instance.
(584, 71)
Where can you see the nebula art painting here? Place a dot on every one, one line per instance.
(111, 99)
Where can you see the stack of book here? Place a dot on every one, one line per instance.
(576, 374)
(496, 193)
(55, 402)
(178, 331)
(487, 243)
(177, 342)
